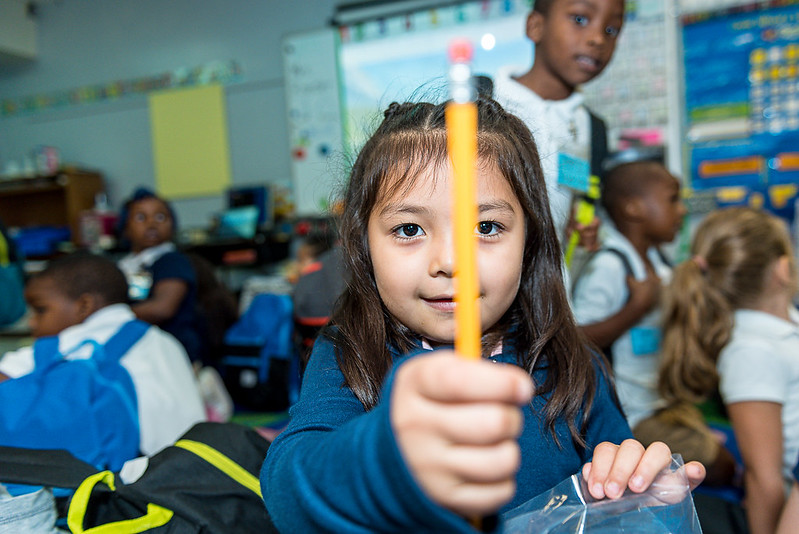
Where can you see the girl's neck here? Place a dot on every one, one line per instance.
(776, 304)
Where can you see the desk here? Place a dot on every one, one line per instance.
(236, 258)
(260, 250)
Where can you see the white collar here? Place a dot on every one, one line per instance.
(765, 324)
(100, 325)
(133, 263)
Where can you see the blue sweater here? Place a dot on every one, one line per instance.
(337, 468)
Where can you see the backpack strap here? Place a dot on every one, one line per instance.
(154, 517)
(43, 467)
(127, 336)
(45, 354)
(628, 268)
(663, 257)
(599, 143)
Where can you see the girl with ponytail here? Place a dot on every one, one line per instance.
(730, 324)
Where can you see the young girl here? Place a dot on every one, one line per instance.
(383, 442)
(729, 310)
(162, 282)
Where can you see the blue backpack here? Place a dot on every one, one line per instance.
(260, 365)
(85, 406)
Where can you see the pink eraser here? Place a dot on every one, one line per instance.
(460, 51)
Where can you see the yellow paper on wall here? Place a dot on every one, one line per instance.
(190, 142)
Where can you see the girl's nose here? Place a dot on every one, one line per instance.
(442, 257)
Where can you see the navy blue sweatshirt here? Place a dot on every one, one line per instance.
(338, 468)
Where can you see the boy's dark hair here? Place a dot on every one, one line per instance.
(539, 325)
(83, 273)
(628, 180)
(542, 6)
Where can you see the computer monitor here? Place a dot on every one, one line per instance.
(254, 195)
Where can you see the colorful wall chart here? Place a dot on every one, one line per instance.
(742, 104)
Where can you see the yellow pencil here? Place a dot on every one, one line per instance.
(461, 119)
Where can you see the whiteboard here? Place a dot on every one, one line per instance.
(313, 107)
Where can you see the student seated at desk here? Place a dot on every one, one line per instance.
(85, 314)
(162, 282)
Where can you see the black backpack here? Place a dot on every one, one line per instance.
(207, 482)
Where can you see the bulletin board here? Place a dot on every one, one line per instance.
(313, 108)
(631, 95)
(190, 141)
(742, 105)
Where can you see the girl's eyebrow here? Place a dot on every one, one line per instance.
(495, 205)
(391, 209)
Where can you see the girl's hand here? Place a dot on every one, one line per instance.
(456, 423)
(617, 467)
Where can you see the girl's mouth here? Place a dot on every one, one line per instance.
(442, 304)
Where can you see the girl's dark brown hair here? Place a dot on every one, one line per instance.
(539, 323)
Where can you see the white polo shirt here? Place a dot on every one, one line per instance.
(761, 363)
(601, 291)
(555, 124)
(169, 401)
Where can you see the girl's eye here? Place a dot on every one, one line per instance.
(160, 217)
(138, 217)
(612, 31)
(582, 20)
(487, 228)
(408, 230)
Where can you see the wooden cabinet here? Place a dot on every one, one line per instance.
(49, 200)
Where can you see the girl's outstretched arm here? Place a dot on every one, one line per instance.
(337, 468)
(456, 423)
(617, 467)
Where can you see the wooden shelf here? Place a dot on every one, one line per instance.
(54, 200)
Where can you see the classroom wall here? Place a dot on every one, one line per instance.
(86, 42)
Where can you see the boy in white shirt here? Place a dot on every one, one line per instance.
(616, 295)
(81, 299)
(574, 42)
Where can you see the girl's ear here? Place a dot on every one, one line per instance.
(785, 271)
(535, 26)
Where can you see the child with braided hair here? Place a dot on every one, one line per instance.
(393, 432)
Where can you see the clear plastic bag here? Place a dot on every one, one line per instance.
(666, 507)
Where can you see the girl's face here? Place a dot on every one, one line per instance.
(411, 244)
(149, 224)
